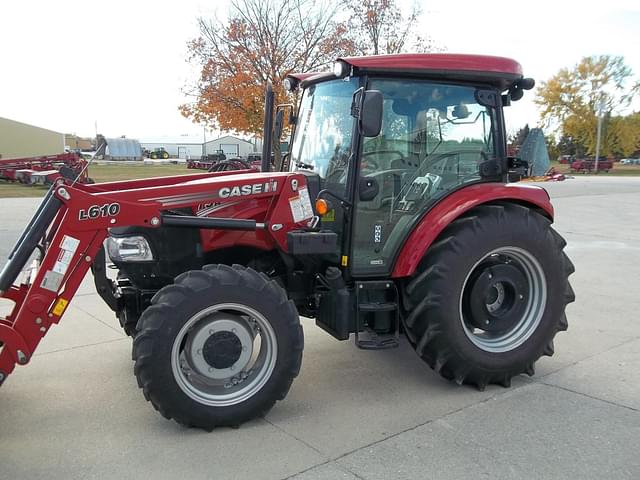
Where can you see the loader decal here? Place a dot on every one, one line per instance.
(97, 211)
(251, 189)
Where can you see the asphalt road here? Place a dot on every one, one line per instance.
(76, 411)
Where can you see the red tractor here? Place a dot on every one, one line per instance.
(392, 215)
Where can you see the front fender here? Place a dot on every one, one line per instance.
(453, 206)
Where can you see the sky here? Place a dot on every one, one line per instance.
(66, 65)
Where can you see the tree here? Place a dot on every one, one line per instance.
(571, 98)
(261, 41)
(569, 146)
(623, 135)
(552, 147)
(517, 139)
(379, 27)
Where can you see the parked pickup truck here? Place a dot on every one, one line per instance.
(584, 166)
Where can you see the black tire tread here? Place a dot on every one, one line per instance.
(421, 323)
(171, 297)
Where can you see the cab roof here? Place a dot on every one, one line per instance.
(498, 71)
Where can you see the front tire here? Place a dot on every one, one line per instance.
(218, 347)
(489, 296)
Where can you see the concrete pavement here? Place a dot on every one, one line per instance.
(76, 411)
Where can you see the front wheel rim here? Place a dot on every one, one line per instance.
(224, 354)
(508, 311)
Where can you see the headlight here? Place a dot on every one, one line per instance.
(129, 249)
(290, 84)
(341, 69)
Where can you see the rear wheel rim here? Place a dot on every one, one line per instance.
(508, 310)
(224, 354)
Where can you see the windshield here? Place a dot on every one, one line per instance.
(431, 126)
(322, 141)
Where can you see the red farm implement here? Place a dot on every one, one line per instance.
(43, 170)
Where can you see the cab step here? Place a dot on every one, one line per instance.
(377, 297)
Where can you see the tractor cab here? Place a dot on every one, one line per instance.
(390, 136)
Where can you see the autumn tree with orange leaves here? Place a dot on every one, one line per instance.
(262, 41)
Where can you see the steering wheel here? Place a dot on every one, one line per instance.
(451, 153)
(374, 164)
(441, 157)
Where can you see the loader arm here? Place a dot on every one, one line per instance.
(73, 221)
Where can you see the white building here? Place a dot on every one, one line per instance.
(189, 147)
(185, 147)
(231, 146)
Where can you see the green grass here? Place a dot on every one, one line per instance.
(17, 190)
(99, 173)
(112, 173)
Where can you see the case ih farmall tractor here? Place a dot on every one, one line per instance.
(392, 215)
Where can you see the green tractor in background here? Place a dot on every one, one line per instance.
(159, 152)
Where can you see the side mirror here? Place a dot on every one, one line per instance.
(368, 189)
(370, 115)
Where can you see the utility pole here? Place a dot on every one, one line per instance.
(601, 107)
(204, 142)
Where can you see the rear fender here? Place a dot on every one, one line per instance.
(453, 206)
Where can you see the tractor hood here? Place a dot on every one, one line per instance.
(198, 220)
(219, 189)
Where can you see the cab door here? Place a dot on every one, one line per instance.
(322, 145)
(433, 140)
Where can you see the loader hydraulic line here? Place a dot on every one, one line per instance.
(209, 222)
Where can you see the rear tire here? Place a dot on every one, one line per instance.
(489, 296)
(217, 348)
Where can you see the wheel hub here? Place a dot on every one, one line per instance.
(497, 298)
(221, 346)
(222, 349)
(503, 299)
